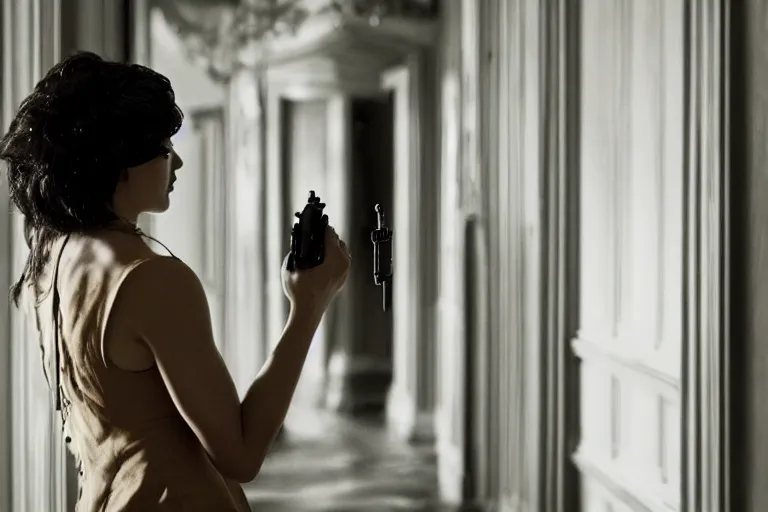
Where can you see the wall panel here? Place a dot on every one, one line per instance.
(630, 332)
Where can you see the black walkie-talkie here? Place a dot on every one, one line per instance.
(308, 236)
(381, 237)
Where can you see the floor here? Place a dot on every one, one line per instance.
(329, 464)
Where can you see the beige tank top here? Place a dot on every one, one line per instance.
(134, 450)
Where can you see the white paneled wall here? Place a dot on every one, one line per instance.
(631, 272)
(589, 192)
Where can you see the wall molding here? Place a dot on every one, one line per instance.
(623, 361)
(707, 347)
(626, 487)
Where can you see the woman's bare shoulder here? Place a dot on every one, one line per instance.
(115, 247)
(156, 281)
(155, 300)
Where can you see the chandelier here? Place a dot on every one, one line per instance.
(213, 31)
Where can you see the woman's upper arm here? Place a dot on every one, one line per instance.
(166, 303)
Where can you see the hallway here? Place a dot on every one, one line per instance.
(330, 464)
(577, 307)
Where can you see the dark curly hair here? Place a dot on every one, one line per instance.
(71, 141)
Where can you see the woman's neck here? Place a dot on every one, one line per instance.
(124, 208)
(122, 224)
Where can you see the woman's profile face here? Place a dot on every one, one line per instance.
(148, 186)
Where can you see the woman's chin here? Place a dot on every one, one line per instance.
(161, 206)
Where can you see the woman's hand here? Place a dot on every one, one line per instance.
(314, 289)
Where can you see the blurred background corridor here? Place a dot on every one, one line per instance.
(575, 189)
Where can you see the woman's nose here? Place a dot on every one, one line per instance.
(177, 162)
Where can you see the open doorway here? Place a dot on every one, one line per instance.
(349, 367)
(368, 378)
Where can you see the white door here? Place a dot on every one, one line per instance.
(630, 331)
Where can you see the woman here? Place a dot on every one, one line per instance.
(149, 409)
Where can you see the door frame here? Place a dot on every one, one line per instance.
(276, 210)
(286, 78)
(559, 488)
(707, 348)
(410, 407)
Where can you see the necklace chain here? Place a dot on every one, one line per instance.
(130, 227)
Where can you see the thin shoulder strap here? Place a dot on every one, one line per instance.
(141, 233)
(56, 327)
